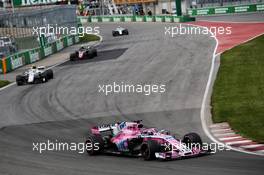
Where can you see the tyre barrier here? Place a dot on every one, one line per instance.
(12, 62)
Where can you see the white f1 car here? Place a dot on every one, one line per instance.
(34, 75)
(120, 31)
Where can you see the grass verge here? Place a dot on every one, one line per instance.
(89, 37)
(238, 92)
(4, 83)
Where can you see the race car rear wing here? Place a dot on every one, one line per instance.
(103, 128)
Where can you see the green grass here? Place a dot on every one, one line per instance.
(3, 83)
(238, 93)
(89, 37)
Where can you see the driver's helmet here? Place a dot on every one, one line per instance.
(82, 48)
(150, 133)
(122, 125)
(163, 131)
(34, 67)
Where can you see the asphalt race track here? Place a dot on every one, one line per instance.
(66, 106)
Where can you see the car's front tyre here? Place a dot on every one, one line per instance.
(149, 148)
(192, 140)
(44, 78)
(125, 32)
(94, 144)
(20, 80)
(49, 73)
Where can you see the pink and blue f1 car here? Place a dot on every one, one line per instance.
(133, 139)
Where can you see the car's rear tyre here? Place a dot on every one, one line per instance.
(44, 77)
(94, 144)
(72, 57)
(88, 55)
(20, 80)
(49, 73)
(95, 53)
(192, 140)
(126, 32)
(149, 148)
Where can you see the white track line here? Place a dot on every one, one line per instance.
(11, 84)
(206, 93)
(242, 42)
(7, 86)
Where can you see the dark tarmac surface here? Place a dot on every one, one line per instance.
(63, 109)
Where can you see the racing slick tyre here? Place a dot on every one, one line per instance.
(20, 80)
(72, 57)
(114, 34)
(192, 139)
(49, 73)
(95, 53)
(149, 148)
(125, 32)
(88, 55)
(94, 144)
(44, 77)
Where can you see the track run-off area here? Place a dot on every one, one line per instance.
(64, 108)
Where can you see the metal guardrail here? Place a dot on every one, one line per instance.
(19, 59)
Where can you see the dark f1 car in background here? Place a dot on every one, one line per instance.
(34, 75)
(85, 52)
(133, 139)
(120, 31)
